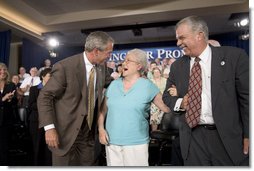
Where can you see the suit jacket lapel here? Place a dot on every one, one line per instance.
(217, 71)
(186, 76)
(98, 75)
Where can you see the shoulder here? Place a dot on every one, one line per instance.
(229, 50)
(146, 82)
(230, 53)
(180, 62)
(70, 63)
(70, 60)
(116, 82)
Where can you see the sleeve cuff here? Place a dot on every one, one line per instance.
(51, 126)
(177, 107)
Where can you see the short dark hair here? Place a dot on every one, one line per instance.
(44, 72)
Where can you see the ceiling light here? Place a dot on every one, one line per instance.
(244, 22)
(53, 42)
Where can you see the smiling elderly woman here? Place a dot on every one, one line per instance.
(126, 111)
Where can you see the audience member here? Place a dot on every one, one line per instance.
(19, 96)
(47, 64)
(126, 111)
(118, 72)
(218, 134)
(153, 64)
(7, 100)
(41, 153)
(66, 107)
(22, 74)
(28, 82)
(156, 114)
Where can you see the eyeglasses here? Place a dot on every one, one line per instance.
(127, 61)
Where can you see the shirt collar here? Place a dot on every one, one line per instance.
(87, 62)
(205, 55)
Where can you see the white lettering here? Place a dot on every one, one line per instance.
(160, 52)
(149, 55)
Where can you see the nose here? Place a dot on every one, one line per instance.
(179, 43)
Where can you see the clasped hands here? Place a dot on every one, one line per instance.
(8, 96)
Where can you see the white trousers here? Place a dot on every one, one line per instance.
(134, 155)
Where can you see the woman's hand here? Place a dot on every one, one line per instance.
(103, 136)
(8, 96)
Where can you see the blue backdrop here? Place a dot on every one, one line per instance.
(5, 43)
(34, 55)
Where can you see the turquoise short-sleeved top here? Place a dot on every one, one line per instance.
(128, 112)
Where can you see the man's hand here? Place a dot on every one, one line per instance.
(184, 102)
(246, 145)
(51, 138)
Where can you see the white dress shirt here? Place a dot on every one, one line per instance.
(28, 81)
(206, 108)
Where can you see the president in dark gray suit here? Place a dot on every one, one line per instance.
(63, 103)
(221, 137)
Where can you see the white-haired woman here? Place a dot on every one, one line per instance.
(126, 111)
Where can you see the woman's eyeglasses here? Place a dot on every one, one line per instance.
(128, 61)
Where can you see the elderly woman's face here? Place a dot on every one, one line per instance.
(130, 65)
(3, 73)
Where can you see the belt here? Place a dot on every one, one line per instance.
(207, 126)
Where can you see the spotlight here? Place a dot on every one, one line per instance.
(244, 22)
(53, 42)
(240, 20)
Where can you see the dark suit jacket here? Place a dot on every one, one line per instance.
(230, 98)
(32, 104)
(6, 107)
(63, 101)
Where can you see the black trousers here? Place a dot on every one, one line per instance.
(4, 144)
(207, 149)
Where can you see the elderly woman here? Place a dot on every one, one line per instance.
(7, 101)
(126, 111)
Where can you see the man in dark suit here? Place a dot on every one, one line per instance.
(63, 103)
(221, 137)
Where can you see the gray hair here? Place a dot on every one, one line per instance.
(141, 59)
(97, 39)
(196, 23)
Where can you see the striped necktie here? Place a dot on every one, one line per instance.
(193, 109)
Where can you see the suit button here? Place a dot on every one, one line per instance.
(77, 129)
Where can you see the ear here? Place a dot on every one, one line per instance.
(200, 35)
(95, 51)
(139, 67)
